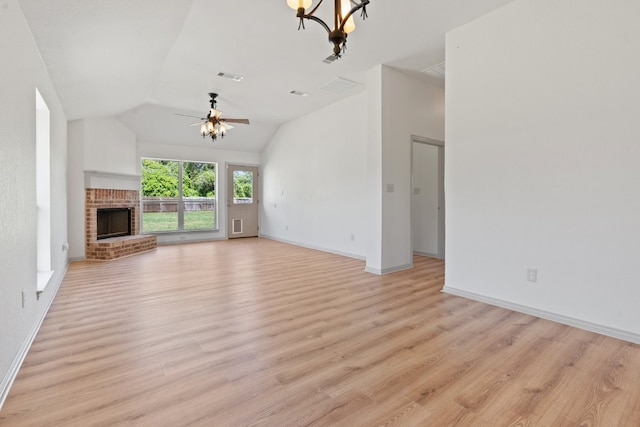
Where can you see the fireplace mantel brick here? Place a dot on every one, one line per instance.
(116, 247)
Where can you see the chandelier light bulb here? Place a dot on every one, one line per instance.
(345, 7)
(297, 4)
(203, 129)
(210, 127)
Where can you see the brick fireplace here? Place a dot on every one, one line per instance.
(115, 247)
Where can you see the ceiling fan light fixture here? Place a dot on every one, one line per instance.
(214, 125)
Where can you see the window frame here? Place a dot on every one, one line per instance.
(181, 199)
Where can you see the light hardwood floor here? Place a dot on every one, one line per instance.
(256, 332)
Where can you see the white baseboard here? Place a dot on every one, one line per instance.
(184, 242)
(427, 254)
(397, 268)
(371, 270)
(565, 320)
(384, 271)
(11, 374)
(317, 248)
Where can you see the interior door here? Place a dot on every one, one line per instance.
(427, 199)
(242, 201)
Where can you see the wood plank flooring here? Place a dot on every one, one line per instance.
(253, 332)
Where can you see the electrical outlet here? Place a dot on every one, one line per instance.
(353, 237)
(532, 274)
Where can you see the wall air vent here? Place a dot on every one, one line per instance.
(340, 85)
(234, 77)
(436, 71)
(299, 93)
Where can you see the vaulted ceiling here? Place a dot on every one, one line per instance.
(144, 60)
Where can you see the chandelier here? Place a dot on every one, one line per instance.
(343, 22)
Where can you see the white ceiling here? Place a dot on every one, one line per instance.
(143, 60)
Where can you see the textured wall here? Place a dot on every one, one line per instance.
(21, 73)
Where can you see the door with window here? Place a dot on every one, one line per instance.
(242, 201)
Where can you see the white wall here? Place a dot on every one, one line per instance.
(109, 146)
(542, 160)
(75, 188)
(409, 107)
(314, 180)
(97, 144)
(374, 170)
(346, 154)
(199, 154)
(22, 71)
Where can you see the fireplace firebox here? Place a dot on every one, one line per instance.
(113, 222)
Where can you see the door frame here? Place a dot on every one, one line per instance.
(441, 196)
(228, 197)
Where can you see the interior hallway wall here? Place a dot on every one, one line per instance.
(542, 158)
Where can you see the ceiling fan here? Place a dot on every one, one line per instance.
(214, 124)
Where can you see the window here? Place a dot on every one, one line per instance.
(178, 196)
(242, 187)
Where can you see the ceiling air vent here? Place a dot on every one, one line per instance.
(330, 59)
(436, 71)
(299, 93)
(340, 85)
(234, 77)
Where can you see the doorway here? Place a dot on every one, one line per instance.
(427, 197)
(242, 201)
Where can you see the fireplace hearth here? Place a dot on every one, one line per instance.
(112, 224)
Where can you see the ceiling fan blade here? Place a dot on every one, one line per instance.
(187, 115)
(241, 121)
(227, 126)
(198, 123)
